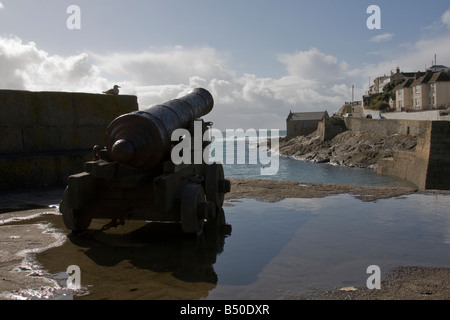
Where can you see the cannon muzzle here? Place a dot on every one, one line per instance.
(141, 139)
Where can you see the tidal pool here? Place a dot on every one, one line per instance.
(275, 250)
(279, 250)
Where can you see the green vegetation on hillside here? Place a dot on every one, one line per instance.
(380, 101)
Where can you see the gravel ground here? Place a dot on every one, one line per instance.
(403, 283)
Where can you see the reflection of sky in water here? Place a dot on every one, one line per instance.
(298, 244)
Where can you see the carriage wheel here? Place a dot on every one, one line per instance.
(215, 184)
(192, 209)
(218, 221)
(73, 219)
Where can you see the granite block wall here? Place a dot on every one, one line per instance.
(47, 136)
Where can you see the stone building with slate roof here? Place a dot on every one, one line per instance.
(303, 123)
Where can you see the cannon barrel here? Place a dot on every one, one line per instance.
(141, 139)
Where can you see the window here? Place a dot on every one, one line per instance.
(400, 104)
(417, 102)
(432, 88)
(431, 101)
(417, 89)
(400, 92)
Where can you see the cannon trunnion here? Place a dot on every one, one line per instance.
(133, 177)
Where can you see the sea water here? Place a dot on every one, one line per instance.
(290, 169)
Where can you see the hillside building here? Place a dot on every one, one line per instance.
(303, 123)
(426, 92)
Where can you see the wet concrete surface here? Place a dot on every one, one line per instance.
(23, 235)
(25, 230)
(137, 261)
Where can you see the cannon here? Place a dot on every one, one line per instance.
(134, 177)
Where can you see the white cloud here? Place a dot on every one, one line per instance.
(240, 101)
(315, 68)
(169, 66)
(313, 79)
(409, 57)
(1, 6)
(446, 18)
(24, 66)
(416, 56)
(382, 37)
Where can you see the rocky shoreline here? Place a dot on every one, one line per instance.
(273, 191)
(349, 148)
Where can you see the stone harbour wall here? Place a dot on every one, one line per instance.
(47, 136)
(387, 127)
(438, 175)
(429, 165)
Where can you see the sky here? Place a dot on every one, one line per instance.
(260, 59)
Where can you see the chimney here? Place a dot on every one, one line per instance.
(398, 70)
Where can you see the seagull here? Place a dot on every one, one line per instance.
(114, 91)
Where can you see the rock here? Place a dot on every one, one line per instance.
(348, 289)
(355, 149)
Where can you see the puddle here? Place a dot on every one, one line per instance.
(296, 245)
(275, 250)
(24, 235)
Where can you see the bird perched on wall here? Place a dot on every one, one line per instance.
(114, 90)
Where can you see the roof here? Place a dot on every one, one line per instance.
(405, 84)
(382, 78)
(408, 74)
(438, 66)
(439, 76)
(307, 116)
(423, 79)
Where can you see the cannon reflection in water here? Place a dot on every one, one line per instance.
(133, 177)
